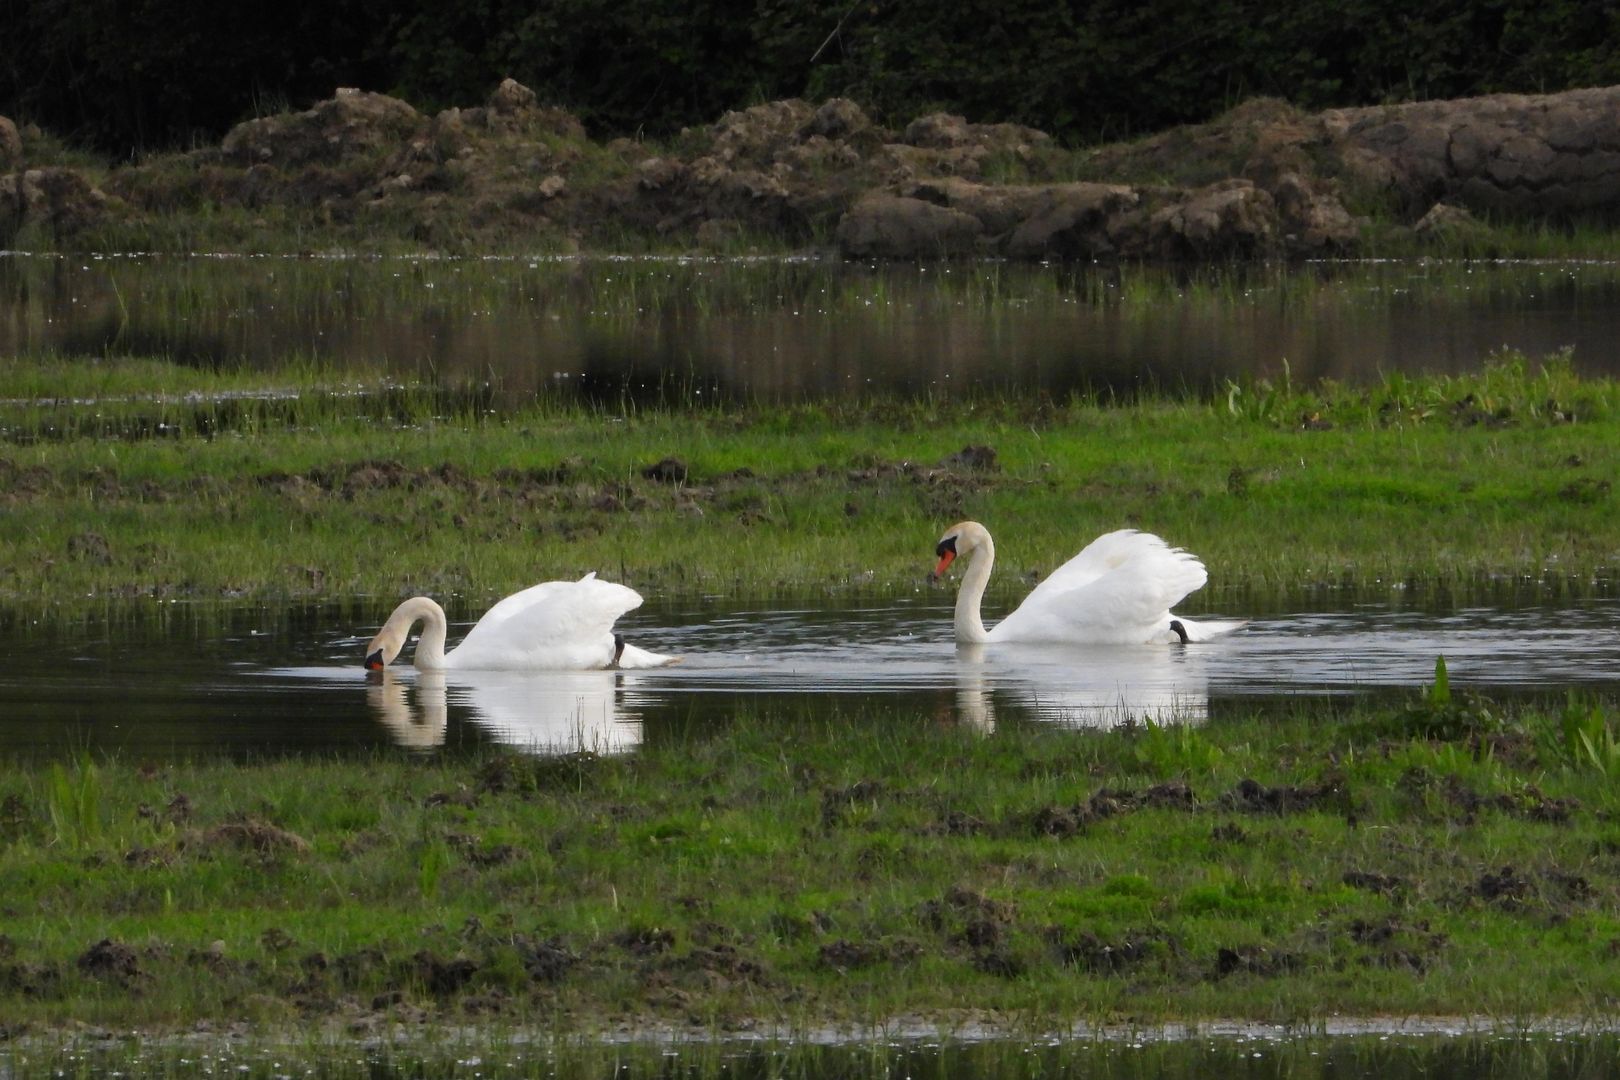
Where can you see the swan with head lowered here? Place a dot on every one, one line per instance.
(553, 626)
(1117, 591)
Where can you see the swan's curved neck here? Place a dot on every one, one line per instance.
(969, 626)
(429, 655)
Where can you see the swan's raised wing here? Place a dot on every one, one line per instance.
(1119, 589)
(532, 597)
(557, 624)
(1141, 555)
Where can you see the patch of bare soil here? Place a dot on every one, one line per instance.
(1254, 960)
(957, 823)
(1391, 942)
(645, 940)
(546, 961)
(1066, 821)
(109, 959)
(1382, 884)
(1528, 803)
(1506, 888)
(249, 834)
(1252, 797)
(1090, 952)
(670, 470)
(442, 976)
(845, 954)
(1559, 893)
(982, 927)
(31, 980)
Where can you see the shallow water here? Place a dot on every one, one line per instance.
(1254, 1052)
(236, 680)
(688, 330)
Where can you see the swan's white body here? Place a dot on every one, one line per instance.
(553, 626)
(1117, 591)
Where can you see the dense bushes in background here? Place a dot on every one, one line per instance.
(130, 74)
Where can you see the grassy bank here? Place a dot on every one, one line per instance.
(141, 478)
(1441, 857)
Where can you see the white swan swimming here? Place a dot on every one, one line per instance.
(553, 626)
(1118, 591)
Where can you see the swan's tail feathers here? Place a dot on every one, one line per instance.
(630, 656)
(1185, 630)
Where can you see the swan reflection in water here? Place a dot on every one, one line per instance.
(556, 712)
(1099, 686)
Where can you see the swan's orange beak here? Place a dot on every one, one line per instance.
(944, 562)
(375, 661)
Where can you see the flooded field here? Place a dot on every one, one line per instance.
(187, 679)
(699, 331)
(938, 824)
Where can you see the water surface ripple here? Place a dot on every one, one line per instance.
(298, 686)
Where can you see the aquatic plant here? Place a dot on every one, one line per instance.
(1588, 737)
(73, 801)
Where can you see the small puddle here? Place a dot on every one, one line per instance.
(252, 680)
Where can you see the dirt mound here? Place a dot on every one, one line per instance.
(112, 960)
(253, 835)
(1535, 154)
(60, 200)
(1264, 179)
(11, 147)
(1255, 798)
(352, 121)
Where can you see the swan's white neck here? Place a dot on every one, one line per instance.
(969, 626)
(429, 655)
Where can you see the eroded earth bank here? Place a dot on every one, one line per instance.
(364, 171)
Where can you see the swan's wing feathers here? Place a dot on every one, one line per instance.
(1147, 556)
(552, 613)
(1114, 608)
(519, 602)
(1120, 589)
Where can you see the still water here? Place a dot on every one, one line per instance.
(1404, 1050)
(694, 330)
(220, 679)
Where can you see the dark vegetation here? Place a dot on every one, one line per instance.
(137, 75)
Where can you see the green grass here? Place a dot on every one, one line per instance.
(1287, 867)
(1479, 486)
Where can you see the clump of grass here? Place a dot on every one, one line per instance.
(74, 804)
(1588, 738)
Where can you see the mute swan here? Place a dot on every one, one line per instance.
(556, 626)
(1118, 591)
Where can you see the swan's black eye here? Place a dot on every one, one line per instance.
(947, 544)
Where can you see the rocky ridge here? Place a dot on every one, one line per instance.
(1264, 180)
